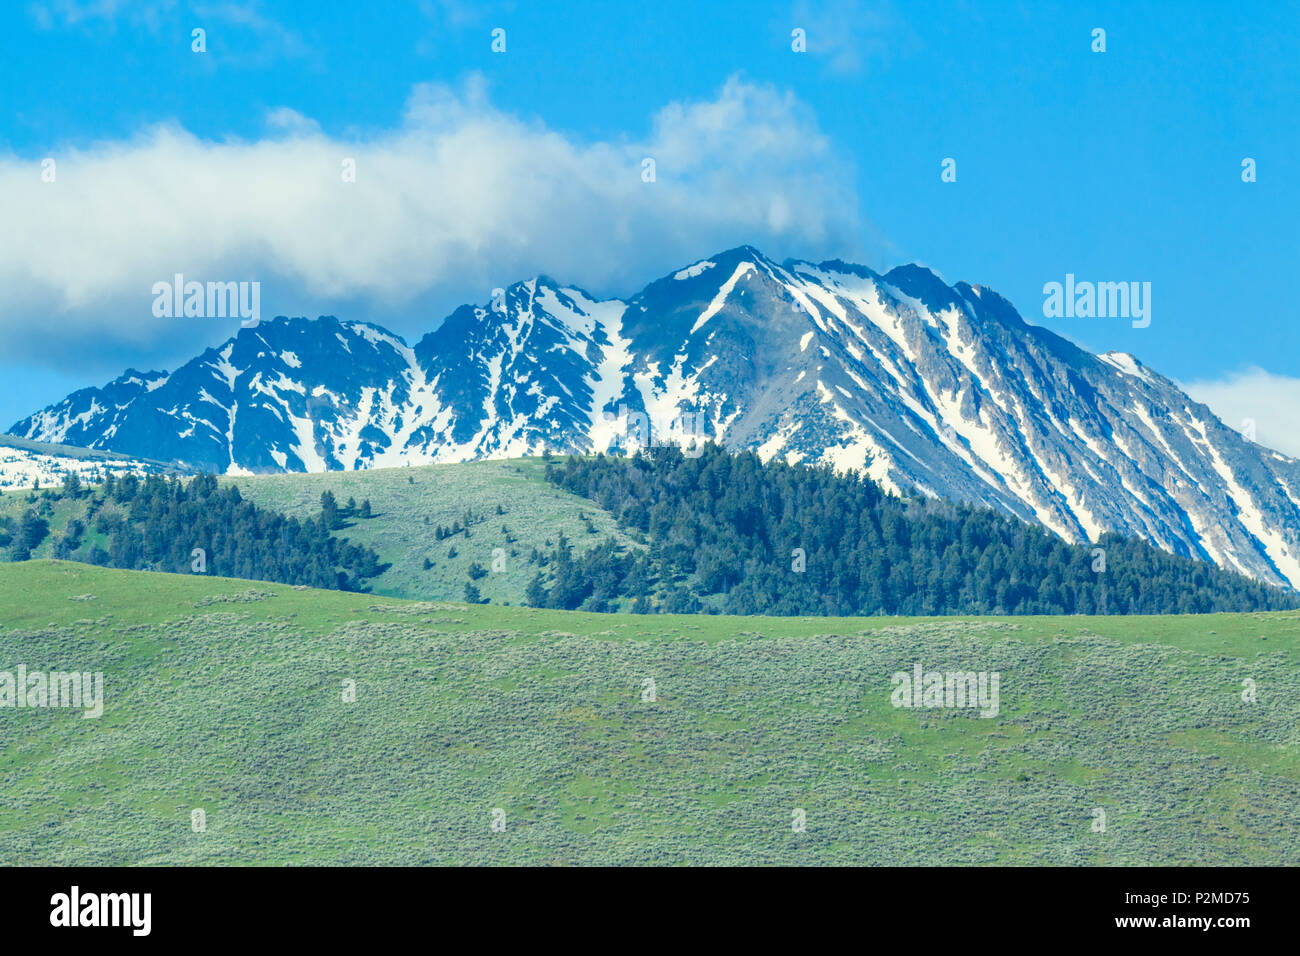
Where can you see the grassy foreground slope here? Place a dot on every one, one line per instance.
(226, 696)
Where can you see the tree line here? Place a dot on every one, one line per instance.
(732, 534)
(166, 524)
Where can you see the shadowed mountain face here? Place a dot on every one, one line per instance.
(942, 389)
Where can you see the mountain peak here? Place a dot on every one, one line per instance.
(829, 364)
(924, 284)
(745, 253)
(301, 327)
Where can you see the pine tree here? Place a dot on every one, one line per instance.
(329, 510)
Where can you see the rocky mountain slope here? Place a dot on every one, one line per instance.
(942, 389)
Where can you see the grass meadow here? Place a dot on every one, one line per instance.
(229, 696)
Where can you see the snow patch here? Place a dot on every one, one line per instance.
(720, 299)
(690, 272)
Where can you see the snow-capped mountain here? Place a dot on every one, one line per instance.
(922, 385)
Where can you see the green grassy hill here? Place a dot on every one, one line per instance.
(712, 549)
(227, 696)
(409, 503)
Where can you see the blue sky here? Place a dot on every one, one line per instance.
(476, 169)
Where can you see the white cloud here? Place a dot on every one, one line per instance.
(1271, 401)
(263, 41)
(290, 121)
(847, 33)
(460, 192)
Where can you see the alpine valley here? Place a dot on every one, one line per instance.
(927, 388)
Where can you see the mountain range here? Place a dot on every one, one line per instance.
(925, 387)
